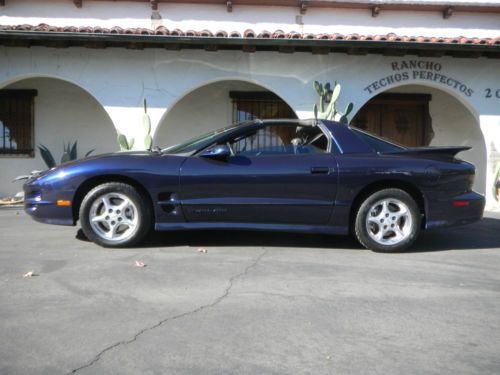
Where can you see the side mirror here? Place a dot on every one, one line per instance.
(220, 152)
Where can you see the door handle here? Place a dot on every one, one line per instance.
(320, 170)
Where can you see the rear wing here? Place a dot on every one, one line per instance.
(440, 152)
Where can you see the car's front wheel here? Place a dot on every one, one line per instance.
(115, 214)
(388, 221)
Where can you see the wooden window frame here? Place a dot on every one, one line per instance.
(12, 94)
(258, 98)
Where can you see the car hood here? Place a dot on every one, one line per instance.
(127, 163)
(122, 153)
(110, 155)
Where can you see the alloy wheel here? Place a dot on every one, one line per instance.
(389, 221)
(114, 217)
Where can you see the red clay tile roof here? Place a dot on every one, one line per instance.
(249, 34)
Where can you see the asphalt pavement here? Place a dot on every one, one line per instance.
(248, 303)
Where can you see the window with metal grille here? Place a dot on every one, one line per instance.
(271, 139)
(16, 122)
(251, 105)
(285, 139)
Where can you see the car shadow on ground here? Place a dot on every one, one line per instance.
(482, 235)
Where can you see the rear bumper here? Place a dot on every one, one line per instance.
(459, 210)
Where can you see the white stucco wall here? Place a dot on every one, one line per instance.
(63, 113)
(120, 79)
(215, 17)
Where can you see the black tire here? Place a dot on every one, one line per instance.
(392, 229)
(132, 222)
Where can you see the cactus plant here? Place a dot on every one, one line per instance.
(124, 143)
(146, 124)
(128, 144)
(496, 183)
(328, 97)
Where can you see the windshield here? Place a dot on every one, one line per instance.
(197, 143)
(378, 144)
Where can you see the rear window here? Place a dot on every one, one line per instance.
(378, 144)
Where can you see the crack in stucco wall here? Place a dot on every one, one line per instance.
(215, 302)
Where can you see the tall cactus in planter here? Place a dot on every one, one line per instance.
(128, 144)
(328, 103)
(146, 124)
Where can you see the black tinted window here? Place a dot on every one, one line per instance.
(377, 144)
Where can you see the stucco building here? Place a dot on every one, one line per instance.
(423, 72)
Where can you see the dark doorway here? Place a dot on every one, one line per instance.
(402, 118)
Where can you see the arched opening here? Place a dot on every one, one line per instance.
(418, 115)
(216, 105)
(57, 112)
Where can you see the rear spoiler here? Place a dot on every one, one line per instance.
(443, 152)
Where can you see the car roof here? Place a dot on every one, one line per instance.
(344, 137)
(284, 121)
(302, 122)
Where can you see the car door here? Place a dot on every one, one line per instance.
(264, 181)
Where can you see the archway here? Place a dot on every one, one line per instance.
(62, 112)
(418, 115)
(218, 104)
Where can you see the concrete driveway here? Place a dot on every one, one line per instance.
(253, 304)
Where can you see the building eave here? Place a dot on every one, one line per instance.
(317, 44)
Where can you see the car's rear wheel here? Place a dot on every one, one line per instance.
(388, 221)
(115, 214)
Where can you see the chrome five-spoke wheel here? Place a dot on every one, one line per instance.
(114, 217)
(388, 220)
(115, 214)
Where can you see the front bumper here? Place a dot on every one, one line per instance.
(41, 205)
(459, 210)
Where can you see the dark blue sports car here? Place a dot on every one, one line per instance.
(284, 175)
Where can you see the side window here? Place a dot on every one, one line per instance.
(280, 140)
(377, 144)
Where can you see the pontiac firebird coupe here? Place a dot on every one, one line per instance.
(284, 175)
